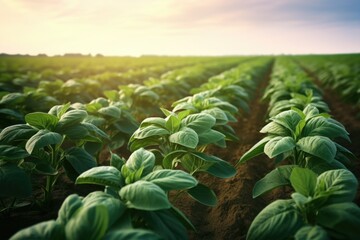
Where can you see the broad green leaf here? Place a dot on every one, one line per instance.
(113, 205)
(110, 111)
(150, 131)
(165, 224)
(70, 205)
(341, 184)
(160, 122)
(320, 126)
(95, 131)
(80, 160)
(12, 153)
(59, 110)
(41, 120)
(42, 231)
(144, 195)
(279, 145)
(203, 194)
(116, 161)
(135, 144)
(185, 137)
(303, 181)
(280, 176)
(288, 119)
(200, 122)
(275, 129)
(41, 139)
(278, 220)
(171, 179)
(76, 132)
(141, 158)
(172, 123)
(210, 136)
(311, 233)
(218, 114)
(255, 150)
(16, 133)
(138, 233)
(12, 99)
(319, 146)
(218, 167)
(103, 175)
(341, 219)
(88, 223)
(14, 182)
(71, 118)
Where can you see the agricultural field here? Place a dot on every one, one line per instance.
(240, 147)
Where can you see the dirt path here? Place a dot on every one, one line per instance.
(232, 216)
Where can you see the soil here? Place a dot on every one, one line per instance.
(236, 209)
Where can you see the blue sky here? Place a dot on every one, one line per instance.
(179, 27)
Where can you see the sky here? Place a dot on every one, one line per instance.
(179, 27)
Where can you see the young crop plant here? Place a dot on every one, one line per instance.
(179, 141)
(306, 138)
(54, 141)
(113, 117)
(134, 204)
(320, 208)
(223, 111)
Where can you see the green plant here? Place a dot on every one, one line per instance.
(306, 138)
(321, 208)
(179, 141)
(54, 141)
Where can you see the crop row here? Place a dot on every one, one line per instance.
(136, 190)
(301, 136)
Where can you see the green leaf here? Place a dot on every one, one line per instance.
(168, 160)
(275, 129)
(278, 220)
(144, 196)
(14, 182)
(311, 233)
(256, 150)
(41, 120)
(150, 131)
(16, 133)
(200, 122)
(41, 139)
(42, 231)
(218, 114)
(79, 159)
(319, 146)
(185, 137)
(103, 175)
(116, 161)
(341, 219)
(110, 111)
(280, 176)
(210, 136)
(114, 206)
(88, 223)
(160, 122)
(341, 184)
(70, 205)
(279, 145)
(125, 234)
(203, 194)
(76, 132)
(71, 118)
(303, 181)
(218, 167)
(171, 179)
(288, 119)
(172, 123)
(141, 158)
(12, 153)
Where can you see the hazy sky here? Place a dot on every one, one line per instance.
(179, 27)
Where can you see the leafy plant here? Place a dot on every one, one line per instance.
(321, 208)
(54, 141)
(179, 141)
(306, 138)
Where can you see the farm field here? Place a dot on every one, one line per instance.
(180, 147)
